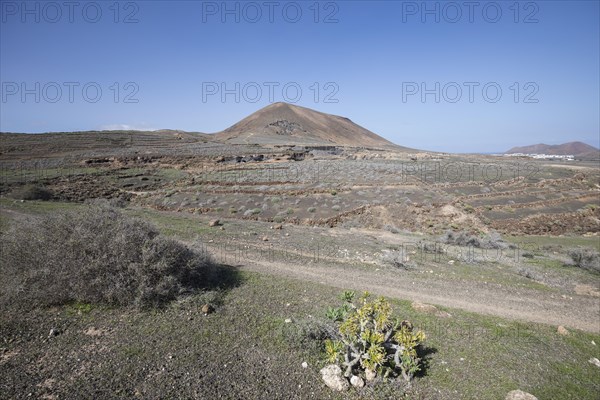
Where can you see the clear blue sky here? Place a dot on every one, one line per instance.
(372, 57)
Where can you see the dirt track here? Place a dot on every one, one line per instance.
(580, 312)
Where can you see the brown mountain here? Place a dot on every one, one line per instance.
(282, 123)
(571, 148)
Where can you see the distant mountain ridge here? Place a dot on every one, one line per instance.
(571, 148)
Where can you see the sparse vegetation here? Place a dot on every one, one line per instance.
(253, 211)
(257, 309)
(284, 322)
(492, 240)
(528, 273)
(117, 202)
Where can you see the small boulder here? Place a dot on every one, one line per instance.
(425, 308)
(357, 381)
(370, 374)
(304, 364)
(519, 395)
(562, 330)
(265, 239)
(54, 332)
(429, 309)
(594, 361)
(278, 226)
(93, 331)
(214, 222)
(207, 309)
(332, 376)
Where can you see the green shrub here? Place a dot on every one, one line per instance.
(347, 296)
(370, 339)
(96, 255)
(337, 314)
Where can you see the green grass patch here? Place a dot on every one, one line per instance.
(171, 224)
(36, 206)
(536, 243)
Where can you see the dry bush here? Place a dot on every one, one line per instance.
(391, 229)
(115, 202)
(586, 258)
(492, 240)
(398, 259)
(31, 192)
(96, 255)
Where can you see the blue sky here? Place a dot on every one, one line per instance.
(165, 64)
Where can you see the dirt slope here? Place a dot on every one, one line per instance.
(282, 123)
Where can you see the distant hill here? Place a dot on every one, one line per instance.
(282, 123)
(577, 149)
(98, 143)
(276, 124)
